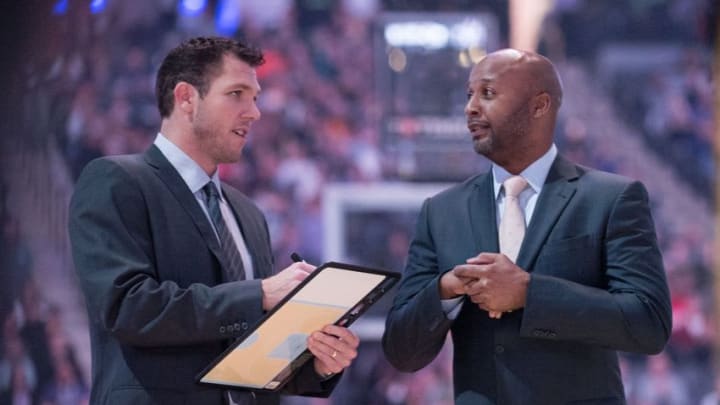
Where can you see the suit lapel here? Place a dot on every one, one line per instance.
(251, 231)
(182, 194)
(481, 208)
(557, 191)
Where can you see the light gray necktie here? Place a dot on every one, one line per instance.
(512, 223)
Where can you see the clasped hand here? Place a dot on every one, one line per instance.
(490, 280)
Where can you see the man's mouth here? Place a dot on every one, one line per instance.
(240, 132)
(478, 127)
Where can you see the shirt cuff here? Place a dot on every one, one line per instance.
(452, 307)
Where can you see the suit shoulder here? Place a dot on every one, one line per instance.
(603, 186)
(112, 164)
(604, 181)
(107, 176)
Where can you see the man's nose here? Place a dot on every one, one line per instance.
(254, 112)
(472, 107)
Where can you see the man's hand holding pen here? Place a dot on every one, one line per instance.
(275, 288)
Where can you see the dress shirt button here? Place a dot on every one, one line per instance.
(222, 329)
(499, 349)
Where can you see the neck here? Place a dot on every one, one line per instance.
(515, 168)
(515, 165)
(184, 139)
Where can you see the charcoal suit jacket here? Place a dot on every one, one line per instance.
(151, 271)
(597, 286)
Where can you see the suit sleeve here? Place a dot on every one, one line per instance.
(416, 326)
(632, 313)
(115, 261)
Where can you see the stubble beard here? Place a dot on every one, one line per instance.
(504, 145)
(484, 146)
(209, 138)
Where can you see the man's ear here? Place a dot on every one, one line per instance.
(541, 104)
(186, 97)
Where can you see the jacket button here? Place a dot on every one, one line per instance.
(499, 349)
(552, 334)
(537, 333)
(236, 326)
(244, 325)
(222, 329)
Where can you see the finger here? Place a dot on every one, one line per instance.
(478, 299)
(321, 349)
(344, 334)
(295, 274)
(495, 314)
(466, 280)
(328, 362)
(304, 267)
(468, 271)
(483, 258)
(476, 287)
(335, 345)
(333, 358)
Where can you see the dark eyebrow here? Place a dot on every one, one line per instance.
(241, 86)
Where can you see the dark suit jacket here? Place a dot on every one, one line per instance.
(150, 267)
(597, 286)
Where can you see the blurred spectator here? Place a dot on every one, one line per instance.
(32, 330)
(18, 374)
(15, 263)
(672, 105)
(712, 397)
(661, 385)
(66, 388)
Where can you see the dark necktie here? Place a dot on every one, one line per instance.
(235, 270)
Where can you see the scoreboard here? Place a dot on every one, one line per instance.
(422, 63)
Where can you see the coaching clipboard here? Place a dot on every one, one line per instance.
(268, 355)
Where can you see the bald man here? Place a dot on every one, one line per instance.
(537, 317)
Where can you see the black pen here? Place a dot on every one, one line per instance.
(296, 257)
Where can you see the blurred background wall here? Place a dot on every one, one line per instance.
(362, 119)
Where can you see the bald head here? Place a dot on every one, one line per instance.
(535, 71)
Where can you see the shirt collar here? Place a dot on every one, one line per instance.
(535, 174)
(193, 175)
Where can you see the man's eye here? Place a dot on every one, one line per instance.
(488, 93)
(235, 93)
(469, 95)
